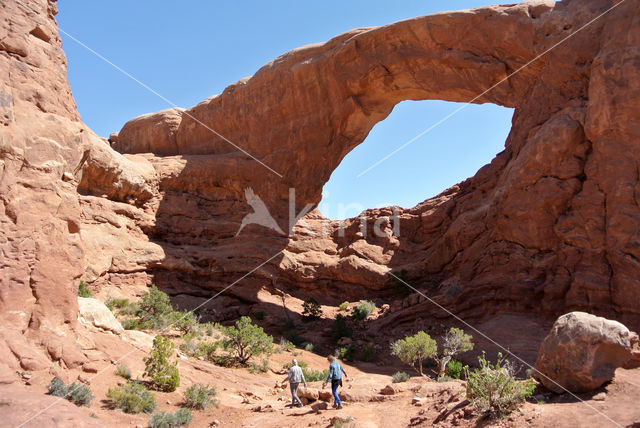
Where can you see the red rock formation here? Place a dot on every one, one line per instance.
(550, 225)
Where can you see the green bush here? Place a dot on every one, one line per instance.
(207, 350)
(344, 306)
(340, 328)
(399, 377)
(77, 393)
(155, 309)
(132, 398)
(190, 348)
(181, 418)
(367, 353)
(445, 379)
(245, 340)
(456, 341)
(123, 371)
(311, 310)
(413, 350)
(199, 396)
(57, 388)
(308, 347)
(454, 369)
(163, 373)
(185, 322)
(131, 324)
(493, 388)
(83, 291)
(363, 310)
(311, 375)
(347, 353)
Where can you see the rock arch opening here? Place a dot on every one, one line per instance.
(446, 155)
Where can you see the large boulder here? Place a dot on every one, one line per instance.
(582, 352)
(93, 312)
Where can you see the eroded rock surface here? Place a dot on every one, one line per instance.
(582, 352)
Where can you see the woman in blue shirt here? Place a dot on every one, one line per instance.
(336, 380)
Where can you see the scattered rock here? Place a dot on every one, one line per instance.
(581, 352)
(601, 396)
(94, 312)
(319, 406)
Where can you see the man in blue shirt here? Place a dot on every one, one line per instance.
(336, 380)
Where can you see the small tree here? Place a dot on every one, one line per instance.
(311, 310)
(245, 340)
(456, 341)
(155, 308)
(163, 373)
(494, 388)
(413, 350)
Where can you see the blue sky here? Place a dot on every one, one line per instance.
(189, 50)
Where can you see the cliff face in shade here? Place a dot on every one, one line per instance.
(550, 225)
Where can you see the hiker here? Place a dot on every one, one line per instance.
(336, 380)
(295, 376)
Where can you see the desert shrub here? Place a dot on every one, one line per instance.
(400, 377)
(245, 340)
(263, 367)
(363, 310)
(112, 303)
(83, 290)
(285, 345)
(445, 379)
(344, 306)
(308, 347)
(454, 369)
(181, 418)
(57, 388)
(347, 353)
(259, 315)
(155, 308)
(186, 322)
(311, 310)
(199, 396)
(131, 324)
(123, 371)
(77, 393)
(132, 398)
(131, 309)
(346, 422)
(311, 375)
(163, 373)
(190, 348)
(207, 349)
(413, 350)
(493, 388)
(208, 328)
(455, 342)
(340, 328)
